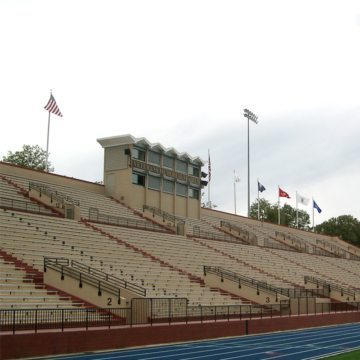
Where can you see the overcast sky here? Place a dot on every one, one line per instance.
(181, 73)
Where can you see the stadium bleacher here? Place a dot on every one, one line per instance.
(141, 249)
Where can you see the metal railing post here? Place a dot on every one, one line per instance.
(169, 301)
(13, 321)
(62, 320)
(151, 312)
(36, 310)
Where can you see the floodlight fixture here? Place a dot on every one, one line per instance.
(250, 116)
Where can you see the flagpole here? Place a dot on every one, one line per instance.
(258, 200)
(52, 107)
(209, 201)
(47, 145)
(297, 211)
(234, 193)
(278, 204)
(313, 217)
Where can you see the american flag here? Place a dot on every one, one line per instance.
(52, 107)
(209, 168)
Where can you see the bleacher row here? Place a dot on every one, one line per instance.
(167, 265)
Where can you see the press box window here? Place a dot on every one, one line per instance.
(181, 166)
(194, 193)
(194, 171)
(138, 179)
(168, 186)
(154, 157)
(168, 162)
(138, 154)
(181, 189)
(154, 182)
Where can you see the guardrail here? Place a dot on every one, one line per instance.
(7, 203)
(92, 276)
(273, 244)
(165, 215)
(299, 244)
(15, 320)
(337, 250)
(249, 238)
(197, 232)
(262, 285)
(329, 286)
(96, 216)
(53, 194)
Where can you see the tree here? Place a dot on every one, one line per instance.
(269, 212)
(346, 227)
(32, 157)
(288, 217)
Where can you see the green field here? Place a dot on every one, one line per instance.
(354, 355)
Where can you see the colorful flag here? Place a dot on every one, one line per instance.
(261, 187)
(283, 193)
(52, 107)
(209, 167)
(302, 200)
(316, 206)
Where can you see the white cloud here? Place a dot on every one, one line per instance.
(180, 73)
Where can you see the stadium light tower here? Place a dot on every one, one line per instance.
(250, 116)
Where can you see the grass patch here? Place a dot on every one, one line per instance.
(354, 355)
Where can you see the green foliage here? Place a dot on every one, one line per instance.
(32, 157)
(347, 356)
(346, 227)
(269, 212)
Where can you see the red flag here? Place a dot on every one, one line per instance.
(52, 107)
(283, 193)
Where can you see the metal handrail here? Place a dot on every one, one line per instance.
(35, 319)
(165, 215)
(335, 249)
(53, 194)
(96, 216)
(92, 276)
(298, 243)
(251, 238)
(197, 232)
(264, 286)
(240, 279)
(15, 204)
(329, 285)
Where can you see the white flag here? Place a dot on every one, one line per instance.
(302, 200)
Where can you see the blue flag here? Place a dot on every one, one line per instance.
(261, 188)
(316, 206)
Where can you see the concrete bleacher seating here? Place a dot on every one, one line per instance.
(32, 237)
(86, 199)
(10, 192)
(18, 291)
(167, 265)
